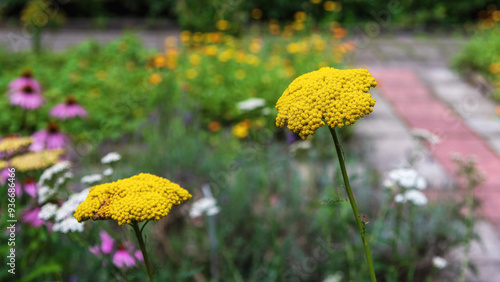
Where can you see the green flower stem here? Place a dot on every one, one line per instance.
(138, 234)
(353, 204)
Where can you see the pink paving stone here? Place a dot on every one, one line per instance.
(420, 109)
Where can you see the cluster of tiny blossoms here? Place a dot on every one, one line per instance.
(339, 97)
(139, 198)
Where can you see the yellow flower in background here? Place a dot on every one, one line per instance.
(95, 93)
(130, 66)
(3, 164)
(36, 160)
(240, 130)
(255, 47)
(185, 36)
(300, 16)
(226, 55)
(195, 59)
(316, 1)
(252, 60)
(222, 25)
(274, 29)
(494, 68)
(211, 50)
(191, 74)
(329, 6)
(155, 78)
(339, 97)
(256, 14)
(123, 46)
(298, 26)
(171, 42)
(12, 144)
(139, 198)
(198, 37)
(102, 75)
(240, 74)
(240, 56)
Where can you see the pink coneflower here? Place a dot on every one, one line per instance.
(27, 98)
(49, 138)
(122, 258)
(30, 216)
(69, 109)
(25, 80)
(30, 187)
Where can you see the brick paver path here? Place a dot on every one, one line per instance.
(418, 107)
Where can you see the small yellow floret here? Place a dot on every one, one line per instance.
(339, 97)
(138, 198)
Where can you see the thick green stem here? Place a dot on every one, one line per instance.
(353, 204)
(138, 234)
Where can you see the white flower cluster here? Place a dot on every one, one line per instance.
(54, 176)
(250, 104)
(63, 215)
(413, 196)
(91, 179)
(206, 206)
(406, 178)
(411, 182)
(107, 172)
(439, 262)
(111, 158)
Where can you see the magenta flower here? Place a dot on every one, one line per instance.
(27, 98)
(30, 216)
(26, 80)
(124, 255)
(122, 258)
(69, 109)
(107, 242)
(49, 138)
(30, 187)
(4, 175)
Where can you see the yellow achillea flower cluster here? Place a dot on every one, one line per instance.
(340, 97)
(11, 144)
(36, 160)
(138, 198)
(3, 164)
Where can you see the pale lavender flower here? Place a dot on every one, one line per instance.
(69, 109)
(26, 79)
(27, 98)
(30, 216)
(30, 187)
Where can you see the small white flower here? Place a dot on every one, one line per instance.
(250, 104)
(61, 180)
(426, 135)
(407, 178)
(413, 196)
(111, 158)
(439, 262)
(49, 173)
(47, 211)
(91, 179)
(300, 145)
(266, 111)
(68, 208)
(107, 172)
(44, 193)
(204, 205)
(337, 277)
(69, 224)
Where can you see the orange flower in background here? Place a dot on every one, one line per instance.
(300, 16)
(214, 126)
(247, 123)
(222, 25)
(240, 130)
(339, 32)
(159, 61)
(274, 29)
(256, 14)
(494, 68)
(495, 16)
(155, 78)
(497, 110)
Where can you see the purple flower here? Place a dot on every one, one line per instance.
(138, 255)
(30, 187)
(49, 138)
(27, 98)
(4, 175)
(107, 242)
(25, 80)
(122, 257)
(30, 216)
(69, 109)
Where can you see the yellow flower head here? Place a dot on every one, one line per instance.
(3, 164)
(138, 198)
(339, 97)
(12, 144)
(36, 160)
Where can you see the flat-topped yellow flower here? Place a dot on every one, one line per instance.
(36, 160)
(339, 97)
(139, 198)
(11, 144)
